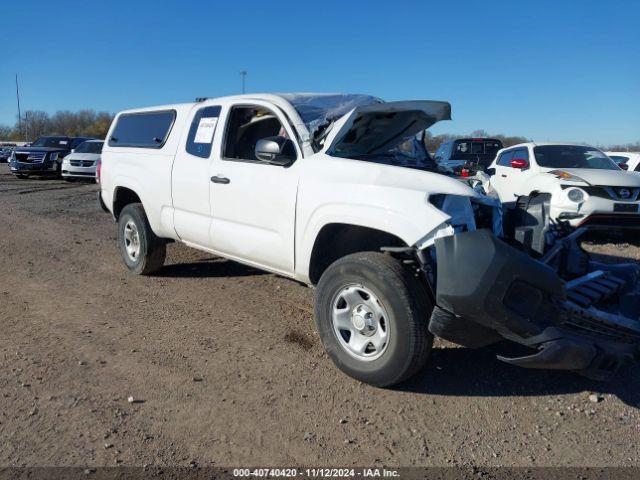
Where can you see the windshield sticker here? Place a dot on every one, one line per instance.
(206, 128)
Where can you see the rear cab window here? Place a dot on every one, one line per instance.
(143, 129)
(481, 150)
(464, 148)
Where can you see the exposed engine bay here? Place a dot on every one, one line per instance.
(517, 275)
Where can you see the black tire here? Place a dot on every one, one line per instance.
(406, 303)
(153, 249)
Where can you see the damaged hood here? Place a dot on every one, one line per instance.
(605, 178)
(372, 129)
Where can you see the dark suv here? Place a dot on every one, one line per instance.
(470, 154)
(44, 156)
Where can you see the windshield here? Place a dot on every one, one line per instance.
(51, 142)
(572, 156)
(89, 147)
(410, 153)
(318, 110)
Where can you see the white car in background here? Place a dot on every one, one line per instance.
(82, 161)
(630, 159)
(584, 186)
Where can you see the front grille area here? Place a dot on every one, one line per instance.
(30, 157)
(620, 194)
(82, 163)
(594, 323)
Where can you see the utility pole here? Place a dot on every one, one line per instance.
(243, 74)
(19, 114)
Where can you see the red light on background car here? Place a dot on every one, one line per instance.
(519, 163)
(464, 173)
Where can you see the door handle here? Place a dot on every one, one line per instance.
(503, 175)
(219, 179)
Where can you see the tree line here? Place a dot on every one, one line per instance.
(35, 123)
(89, 123)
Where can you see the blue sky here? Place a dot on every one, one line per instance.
(549, 70)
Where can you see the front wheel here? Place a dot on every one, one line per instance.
(142, 251)
(372, 315)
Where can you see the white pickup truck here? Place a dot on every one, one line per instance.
(333, 191)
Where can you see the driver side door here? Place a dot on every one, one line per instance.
(253, 202)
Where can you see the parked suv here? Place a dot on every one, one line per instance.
(469, 154)
(580, 184)
(82, 161)
(44, 156)
(312, 187)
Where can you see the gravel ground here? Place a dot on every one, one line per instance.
(224, 367)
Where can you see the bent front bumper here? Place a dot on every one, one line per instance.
(487, 290)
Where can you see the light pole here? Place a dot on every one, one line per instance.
(243, 74)
(19, 114)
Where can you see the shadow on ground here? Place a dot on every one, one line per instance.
(467, 372)
(209, 268)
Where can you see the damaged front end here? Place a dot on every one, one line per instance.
(572, 312)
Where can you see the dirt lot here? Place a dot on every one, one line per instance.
(226, 369)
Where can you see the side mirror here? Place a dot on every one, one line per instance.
(623, 166)
(275, 151)
(519, 163)
(490, 171)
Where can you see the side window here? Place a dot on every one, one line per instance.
(521, 153)
(505, 158)
(143, 130)
(245, 126)
(203, 126)
(637, 169)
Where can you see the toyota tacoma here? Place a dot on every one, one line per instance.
(318, 188)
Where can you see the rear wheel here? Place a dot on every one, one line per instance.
(142, 251)
(372, 315)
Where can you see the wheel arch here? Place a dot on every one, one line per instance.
(337, 240)
(123, 196)
(390, 226)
